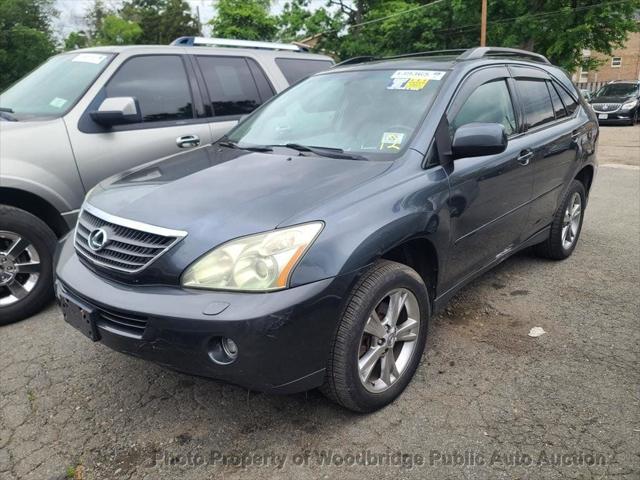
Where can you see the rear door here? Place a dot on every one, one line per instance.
(553, 132)
(233, 87)
(490, 194)
(170, 104)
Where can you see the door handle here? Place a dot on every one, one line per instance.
(525, 157)
(188, 141)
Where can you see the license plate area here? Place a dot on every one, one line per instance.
(603, 116)
(80, 317)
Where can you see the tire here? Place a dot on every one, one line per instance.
(382, 282)
(26, 257)
(558, 246)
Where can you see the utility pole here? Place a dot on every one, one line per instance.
(483, 25)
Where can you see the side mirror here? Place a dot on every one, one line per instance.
(117, 111)
(477, 139)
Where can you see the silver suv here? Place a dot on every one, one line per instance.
(85, 115)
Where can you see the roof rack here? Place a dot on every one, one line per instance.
(226, 42)
(481, 52)
(460, 54)
(353, 60)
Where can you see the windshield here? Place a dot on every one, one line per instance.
(618, 90)
(372, 113)
(54, 87)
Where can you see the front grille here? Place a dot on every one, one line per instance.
(128, 246)
(605, 107)
(127, 324)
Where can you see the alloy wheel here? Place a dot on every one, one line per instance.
(389, 340)
(20, 267)
(571, 223)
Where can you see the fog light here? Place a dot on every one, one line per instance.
(223, 350)
(230, 348)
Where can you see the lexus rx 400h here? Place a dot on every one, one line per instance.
(310, 246)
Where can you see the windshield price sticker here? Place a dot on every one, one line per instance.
(413, 80)
(89, 58)
(391, 141)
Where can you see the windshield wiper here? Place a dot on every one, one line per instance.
(255, 148)
(6, 109)
(329, 152)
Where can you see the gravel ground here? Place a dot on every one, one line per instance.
(487, 402)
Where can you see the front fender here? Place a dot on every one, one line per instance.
(392, 211)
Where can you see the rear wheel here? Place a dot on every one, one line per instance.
(566, 225)
(26, 255)
(380, 339)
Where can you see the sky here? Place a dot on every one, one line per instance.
(72, 12)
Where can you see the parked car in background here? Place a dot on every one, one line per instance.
(617, 103)
(87, 114)
(311, 245)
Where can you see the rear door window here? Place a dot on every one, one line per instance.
(295, 69)
(230, 84)
(536, 102)
(159, 83)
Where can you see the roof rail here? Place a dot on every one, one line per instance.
(481, 52)
(430, 53)
(460, 54)
(226, 42)
(353, 60)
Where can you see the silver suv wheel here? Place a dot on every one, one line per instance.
(19, 268)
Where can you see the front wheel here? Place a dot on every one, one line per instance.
(26, 255)
(380, 339)
(566, 225)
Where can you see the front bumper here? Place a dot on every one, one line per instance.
(283, 337)
(616, 117)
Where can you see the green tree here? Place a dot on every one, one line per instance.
(244, 19)
(26, 39)
(559, 29)
(95, 17)
(162, 21)
(76, 40)
(118, 31)
(297, 21)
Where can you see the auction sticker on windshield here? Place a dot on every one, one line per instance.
(89, 58)
(413, 80)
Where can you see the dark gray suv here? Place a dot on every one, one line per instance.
(310, 246)
(85, 115)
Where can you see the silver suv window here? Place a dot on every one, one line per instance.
(159, 83)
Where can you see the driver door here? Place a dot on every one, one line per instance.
(489, 195)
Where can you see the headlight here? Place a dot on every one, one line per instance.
(259, 262)
(629, 105)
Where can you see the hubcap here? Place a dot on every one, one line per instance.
(571, 222)
(389, 340)
(19, 268)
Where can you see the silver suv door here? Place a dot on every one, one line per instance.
(172, 118)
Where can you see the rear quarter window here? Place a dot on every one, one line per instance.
(295, 69)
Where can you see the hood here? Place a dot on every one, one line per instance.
(217, 194)
(613, 99)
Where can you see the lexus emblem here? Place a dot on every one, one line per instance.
(98, 239)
